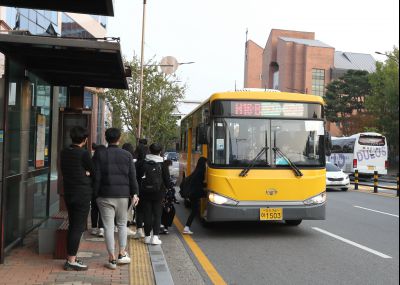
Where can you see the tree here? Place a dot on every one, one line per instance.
(160, 97)
(384, 100)
(345, 99)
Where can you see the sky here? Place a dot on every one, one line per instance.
(212, 33)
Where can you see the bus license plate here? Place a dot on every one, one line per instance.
(271, 214)
(371, 167)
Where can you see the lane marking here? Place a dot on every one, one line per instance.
(380, 254)
(376, 211)
(208, 267)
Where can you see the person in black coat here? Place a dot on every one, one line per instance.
(77, 171)
(195, 186)
(97, 223)
(115, 184)
(152, 192)
(140, 154)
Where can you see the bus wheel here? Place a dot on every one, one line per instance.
(186, 202)
(293, 222)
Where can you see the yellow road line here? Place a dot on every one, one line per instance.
(212, 273)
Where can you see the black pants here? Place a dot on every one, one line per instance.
(139, 215)
(78, 210)
(152, 216)
(95, 215)
(195, 205)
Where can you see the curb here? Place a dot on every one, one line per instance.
(162, 274)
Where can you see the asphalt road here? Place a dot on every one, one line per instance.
(358, 243)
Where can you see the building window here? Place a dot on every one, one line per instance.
(318, 82)
(87, 100)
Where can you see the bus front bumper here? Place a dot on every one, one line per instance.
(251, 212)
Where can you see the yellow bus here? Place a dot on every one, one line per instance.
(265, 155)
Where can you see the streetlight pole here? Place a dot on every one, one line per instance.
(139, 132)
(389, 56)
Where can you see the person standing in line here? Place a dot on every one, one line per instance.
(195, 184)
(77, 171)
(153, 185)
(129, 148)
(140, 152)
(97, 223)
(115, 184)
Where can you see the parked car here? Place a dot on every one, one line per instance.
(171, 156)
(336, 178)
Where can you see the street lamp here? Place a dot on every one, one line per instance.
(390, 56)
(297, 90)
(139, 133)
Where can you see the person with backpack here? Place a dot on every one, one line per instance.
(193, 188)
(115, 184)
(154, 181)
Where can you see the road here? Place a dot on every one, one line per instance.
(358, 243)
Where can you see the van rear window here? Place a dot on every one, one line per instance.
(372, 140)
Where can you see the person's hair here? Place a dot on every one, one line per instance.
(113, 135)
(155, 149)
(141, 152)
(78, 134)
(128, 147)
(200, 170)
(143, 141)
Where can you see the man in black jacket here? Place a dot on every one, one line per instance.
(77, 171)
(115, 184)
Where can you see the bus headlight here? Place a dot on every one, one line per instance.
(319, 199)
(221, 200)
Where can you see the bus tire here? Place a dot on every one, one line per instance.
(293, 222)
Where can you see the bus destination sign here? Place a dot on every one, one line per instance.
(268, 109)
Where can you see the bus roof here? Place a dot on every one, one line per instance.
(266, 95)
(249, 95)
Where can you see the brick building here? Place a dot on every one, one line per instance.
(294, 61)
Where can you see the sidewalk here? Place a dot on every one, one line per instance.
(23, 265)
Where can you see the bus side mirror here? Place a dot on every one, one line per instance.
(328, 144)
(203, 133)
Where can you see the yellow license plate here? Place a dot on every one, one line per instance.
(371, 167)
(271, 214)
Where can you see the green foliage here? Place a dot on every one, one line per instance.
(384, 101)
(160, 97)
(345, 97)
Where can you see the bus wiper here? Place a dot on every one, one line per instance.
(296, 170)
(251, 164)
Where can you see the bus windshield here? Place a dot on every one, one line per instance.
(237, 141)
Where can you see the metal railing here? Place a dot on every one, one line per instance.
(376, 185)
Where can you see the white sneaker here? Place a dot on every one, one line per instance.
(123, 259)
(139, 233)
(101, 232)
(94, 231)
(187, 231)
(147, 240)
(131, 233)
(156, 241)
(112, 264)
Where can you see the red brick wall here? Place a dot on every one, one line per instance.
(253, 65)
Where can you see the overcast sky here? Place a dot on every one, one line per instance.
(212, 33)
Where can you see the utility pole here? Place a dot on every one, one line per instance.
(139, 132)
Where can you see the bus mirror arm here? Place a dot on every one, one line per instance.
(328, 144)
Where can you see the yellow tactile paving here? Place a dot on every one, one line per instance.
(141, 271)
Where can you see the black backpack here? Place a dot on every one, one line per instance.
(152, 181)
